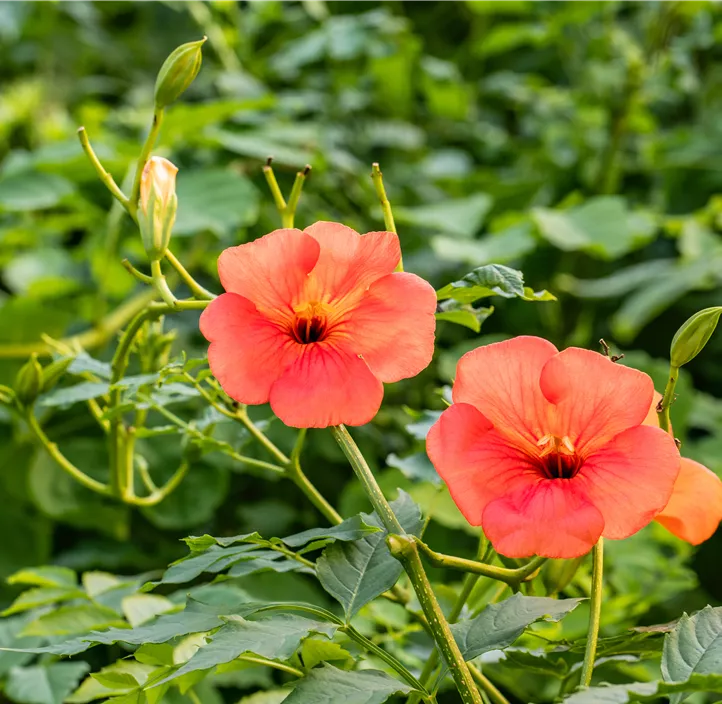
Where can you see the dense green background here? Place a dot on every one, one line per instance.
(578, 142)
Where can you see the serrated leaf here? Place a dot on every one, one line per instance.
(646, 691)
(355, 573)
(69, 620)
(490, 280)
(44, 684)
(352, 528)
(499, 625)
(694, 647)
(329, 685)
(276, 637)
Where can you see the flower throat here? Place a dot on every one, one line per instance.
(558, 458)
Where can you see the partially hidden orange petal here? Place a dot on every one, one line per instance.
(695, 509)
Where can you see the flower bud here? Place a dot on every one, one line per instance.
(29, 381)
(177, 73)
(53, 372)
(158, 205)
(693, 336)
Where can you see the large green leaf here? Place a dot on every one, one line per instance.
(499, 625)
(462, 217)
(44, 684)
(602, 226)
(694, 647)
(69, 620)
(32, 191)
(218, 200)
(357, 572)
(329, 685)
(647, 691)
(276, 637)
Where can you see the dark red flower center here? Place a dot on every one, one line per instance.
(558, 459)
(309, 329)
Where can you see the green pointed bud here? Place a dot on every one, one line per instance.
(29, 381)
(53, 372)
(693, 336)
(158, 205)
(557, 574)
(177, 73)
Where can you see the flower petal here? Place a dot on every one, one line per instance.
(393, 326)
(552, 518)
(247, 352)
(595, 398)
(695, 509)
(270, 271)
(477, 463)
(349, 263)
(502, 381)
(326, 385)
(630, 479)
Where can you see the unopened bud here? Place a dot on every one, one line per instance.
(158, 205)
(53, 372)
(29, 381)
(177, 73)
(693, 336)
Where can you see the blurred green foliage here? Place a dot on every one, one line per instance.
(577, 142)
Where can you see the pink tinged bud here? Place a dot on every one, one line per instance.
(158, 205)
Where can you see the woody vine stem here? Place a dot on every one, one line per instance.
(404, 548)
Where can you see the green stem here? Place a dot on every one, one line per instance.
(103, 175)
(161, 285)
(297, 476)
(487, 686)
(363, 641)
(595, 613)
(287, 211)
(288, 217)
(404, 548)
(63, 461)
(95, 337)
(667, 399)
(150, 141)
(378, 180)
(467, 587)
(196, 289)
(365, 476)
(258, 660)
(193, 696)
(143, 278)
(158, 495)
(259, 435)
(512, 577)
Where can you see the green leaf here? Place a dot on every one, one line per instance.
(693, 647)
(10, 639)
(115, 680)
(464, 314)
(62, 577)
(274, 696)
(32, 191)
(140, 608)
(70, 395)
(357, 572)
(69, 620)
(646, 691)
(276, 637)
(491, 280)
(501, 247)
(41, 596)
(44, 684)
(329, 685)
(417, 466)
(315, 651)
(602, 227)
(462, 217)
(352, 528)
(218, 200)
(499, 625)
